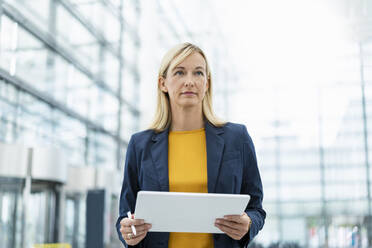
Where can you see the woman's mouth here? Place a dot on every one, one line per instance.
(188, 93)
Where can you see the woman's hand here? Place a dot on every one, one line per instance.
(235, 226)
(126, 231)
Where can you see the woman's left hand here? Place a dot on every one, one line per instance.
(235, 226)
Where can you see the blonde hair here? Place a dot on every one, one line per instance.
(163, 114)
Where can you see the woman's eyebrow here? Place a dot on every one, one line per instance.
(183, 68)
(178, 67)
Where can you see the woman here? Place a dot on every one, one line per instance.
(188, 149)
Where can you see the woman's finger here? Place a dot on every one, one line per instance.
(131, 222)
(138, 222)
(229, 232)
(139, 233)
(229, 229)
(231, 224)
(235, 218)
(139, 228)
(135, 240)
(128, 235)
(147, 227)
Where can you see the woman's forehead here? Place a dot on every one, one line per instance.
(192, 61)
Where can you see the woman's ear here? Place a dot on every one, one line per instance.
(162, 85)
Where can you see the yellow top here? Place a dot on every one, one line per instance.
(187, 168)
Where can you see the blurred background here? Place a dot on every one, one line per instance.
(78, 78)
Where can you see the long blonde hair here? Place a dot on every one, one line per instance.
(163, 114)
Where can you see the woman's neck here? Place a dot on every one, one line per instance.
(186, 119)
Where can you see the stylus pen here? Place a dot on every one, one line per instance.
(133, 228)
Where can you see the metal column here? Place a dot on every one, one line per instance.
(365, 134)
(324, 214)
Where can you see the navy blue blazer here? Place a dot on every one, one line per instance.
(231, 166)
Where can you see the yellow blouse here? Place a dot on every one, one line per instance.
(187, 168)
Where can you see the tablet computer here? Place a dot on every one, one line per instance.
(187, 212)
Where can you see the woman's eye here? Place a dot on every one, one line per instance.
(178, 73)
(200, 73)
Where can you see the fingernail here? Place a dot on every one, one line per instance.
(217, 221)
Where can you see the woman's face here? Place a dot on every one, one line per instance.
(187, 82)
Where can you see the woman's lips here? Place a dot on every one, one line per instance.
(188, 93)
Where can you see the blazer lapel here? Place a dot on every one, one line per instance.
(159, 153)
(215, 146)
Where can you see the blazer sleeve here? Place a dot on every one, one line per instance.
(129, 188)
(252, 186)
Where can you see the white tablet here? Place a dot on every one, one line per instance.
(187, 212)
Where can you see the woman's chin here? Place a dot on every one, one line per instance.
(189, 103)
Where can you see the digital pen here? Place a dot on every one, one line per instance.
(131, 226)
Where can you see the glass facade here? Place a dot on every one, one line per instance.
(317, 182)
(63, 77)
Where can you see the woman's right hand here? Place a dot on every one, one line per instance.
(126, 231)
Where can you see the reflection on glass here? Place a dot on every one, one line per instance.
(10, 213)
(320, 176)
(129, 123)
(129, 85)
(37, 219)
(36, 11)
(69, 221)
(41, 215)
(77, 38)
(7, 222)
(75, 220)
(111, 70)
(82, 221)
(114, 209)
(103, 19)
(8, 42)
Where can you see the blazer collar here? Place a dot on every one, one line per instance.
(215, 145)
(159, 153)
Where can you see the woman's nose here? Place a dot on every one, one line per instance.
(189, 81)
